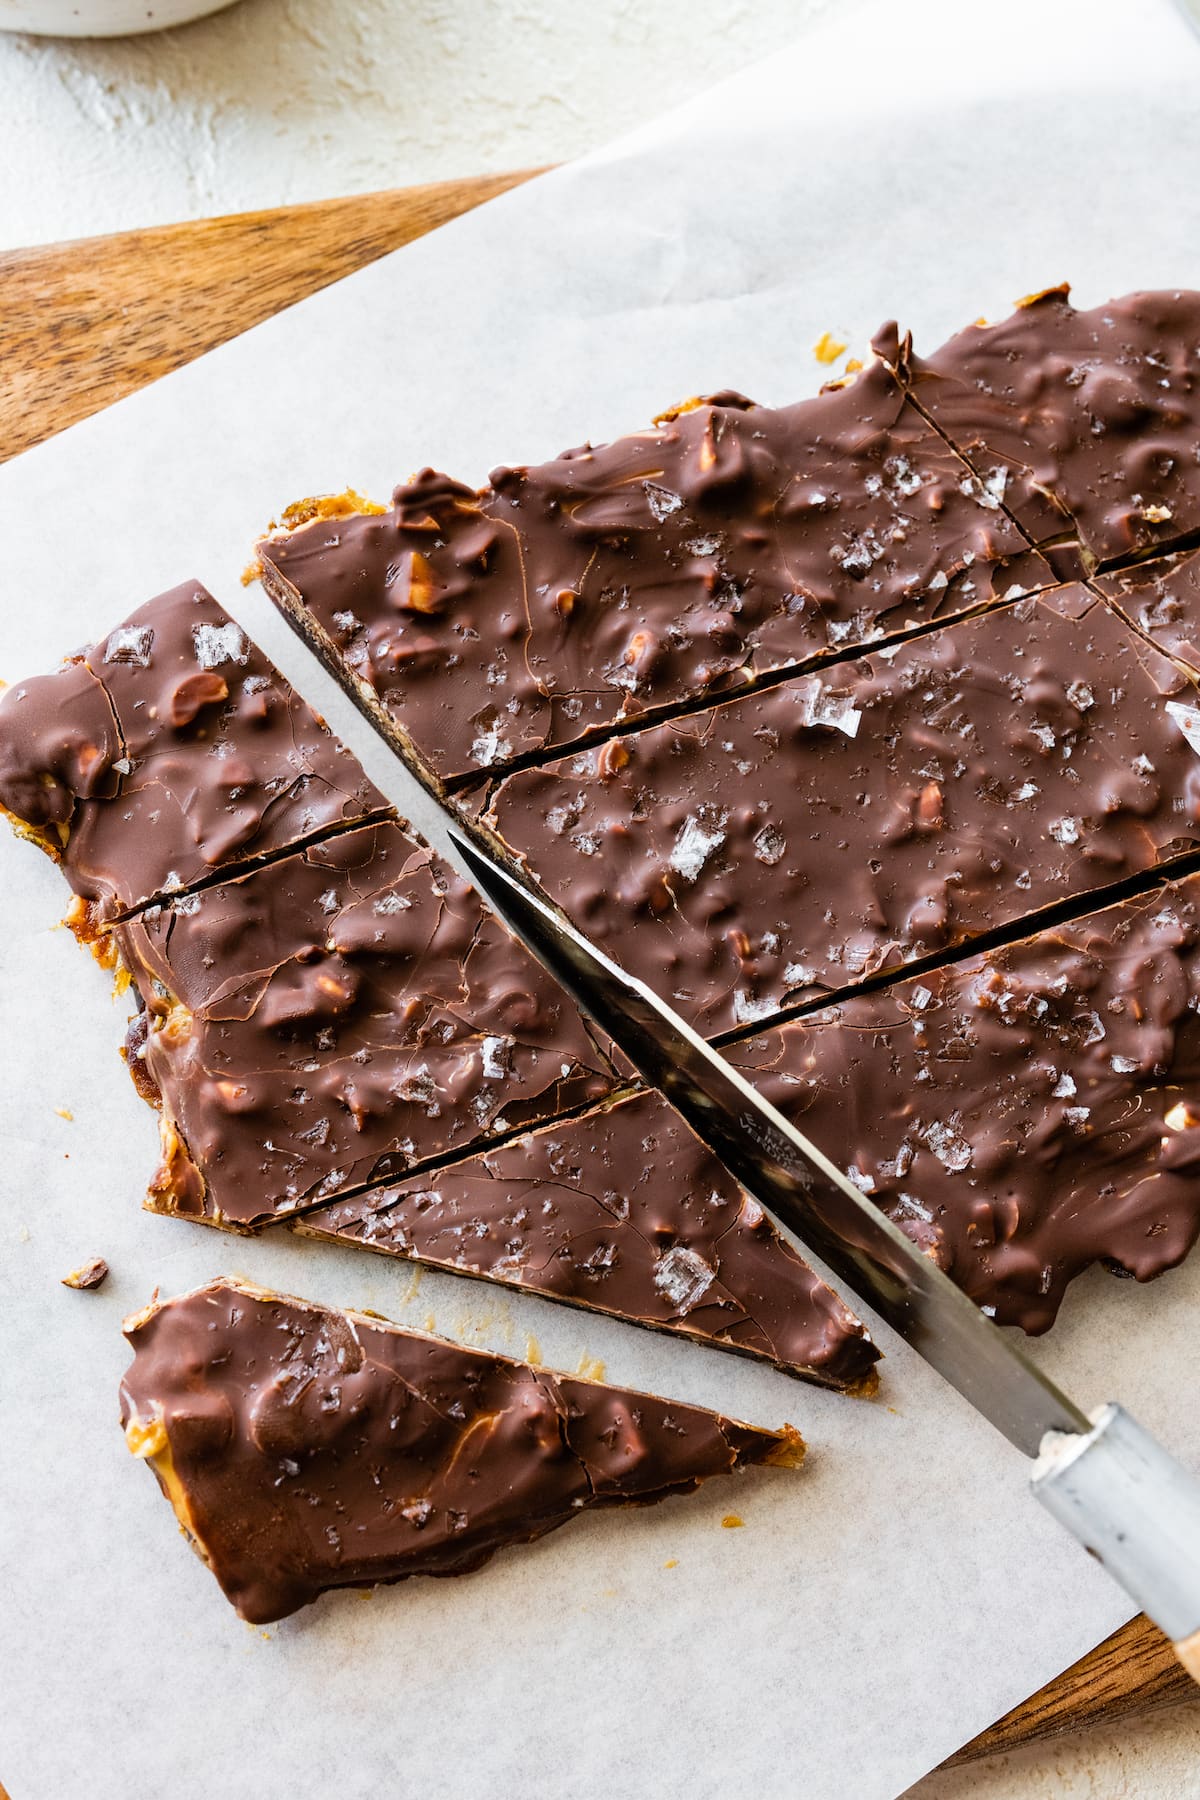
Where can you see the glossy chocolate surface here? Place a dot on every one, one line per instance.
(799, 839)
(622, 1210)
(169, 751)
(306, 1449)
(1024, 1114)
(1083, 423)
(729, 541)
(336, 1017)
(1162, 598)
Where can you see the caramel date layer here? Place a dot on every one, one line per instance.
(1023, 1114)
(796, 840)
(167, 752)
(730, 540)
(305, 1449)
(624, 1211)
(334, 1018)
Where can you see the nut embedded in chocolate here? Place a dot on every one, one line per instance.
(91, 1274)
(305, 1449)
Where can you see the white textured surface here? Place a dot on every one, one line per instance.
(290, 99)
(282, 100)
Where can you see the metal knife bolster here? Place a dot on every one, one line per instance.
(1135, 1508)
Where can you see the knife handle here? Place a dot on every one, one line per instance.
(1138, 1511)
(1188, 1652)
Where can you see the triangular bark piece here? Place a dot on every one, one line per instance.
(305, 1449)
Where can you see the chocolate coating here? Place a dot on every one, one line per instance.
(306, 1449)
(1161, 598)
(624, 1211)
(799, 839)
(170, 751)
(334, 1018)
(1086, 423)
(1023, 1114)
(729, 541)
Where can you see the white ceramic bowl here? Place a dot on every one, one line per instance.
(101, 18)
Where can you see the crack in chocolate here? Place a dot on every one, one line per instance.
(1003, 762)
(335, 1034)
(730, 541)
(155, 795)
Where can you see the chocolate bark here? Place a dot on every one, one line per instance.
(168, 752)
(334, 1018)
(1086, 424)
(624, 1211)
(731, 540)
(797, 840)
(1161, 598)
(1022, 1114)
(305, 1449)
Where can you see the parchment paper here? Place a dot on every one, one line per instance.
(935, 161)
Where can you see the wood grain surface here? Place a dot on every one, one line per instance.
(84, 323)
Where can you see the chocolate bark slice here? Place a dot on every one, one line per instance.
(624, 1211)
(1085, 423)
(797, 840)
(305, 1449)
(334, 1018)
(1161, 597)
(731, 540)
(1022, 1114)
(168, 752)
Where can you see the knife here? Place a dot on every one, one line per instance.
(1103, 1476)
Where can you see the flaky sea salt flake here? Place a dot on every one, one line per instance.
(819, 706)
(130, 644)
(769, 845)
(683, 1278)
(948, 1144)
(1188, 720)
(695, 843)
(217, 644)
(662, 501)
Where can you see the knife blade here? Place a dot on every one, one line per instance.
(1104, 1477)
(786, 1172)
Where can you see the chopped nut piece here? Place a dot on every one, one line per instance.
(88, 1275)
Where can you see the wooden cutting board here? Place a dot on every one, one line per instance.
(84, 323)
